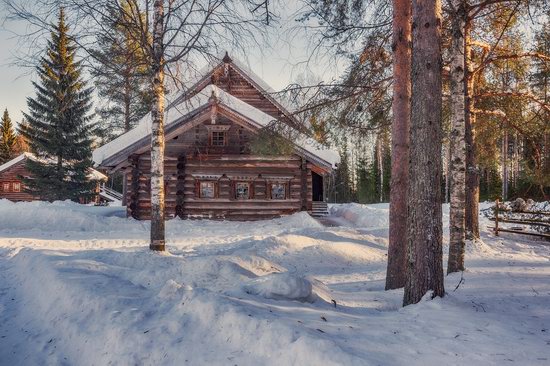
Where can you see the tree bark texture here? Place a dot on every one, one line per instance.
(157, 131)
(472, 171)
(458, 145)
(424, 219)
(397, 250)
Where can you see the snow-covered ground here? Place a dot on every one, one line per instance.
(78, 286)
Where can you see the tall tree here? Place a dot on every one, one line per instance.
(59, 128)
(157, 129)
(121, 74)
(8, 138)
(424, 221)
(397, 249)
(458, 145)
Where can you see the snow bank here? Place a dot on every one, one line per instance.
(64, 216)
(70, 217)
(282, 286)
(372, 216)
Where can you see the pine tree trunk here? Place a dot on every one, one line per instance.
(397, 250)
(157, 131)
(458, 146)
(424, 221)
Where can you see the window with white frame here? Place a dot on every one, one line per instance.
(16, 187)
(6, 186)
(217, 138)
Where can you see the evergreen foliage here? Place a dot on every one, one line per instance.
(340, 189)
(122, 74)
(8, 139)
(59, 129)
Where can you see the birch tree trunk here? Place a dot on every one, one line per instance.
(395, 274)
(472, 172)
(157, 131)
(447, 168)
(458, 145)
(380, 168)
(424, 220)
(505, 165)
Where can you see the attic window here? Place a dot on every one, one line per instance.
(217, 138)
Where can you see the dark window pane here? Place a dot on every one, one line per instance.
(278, 191)
(242, 191)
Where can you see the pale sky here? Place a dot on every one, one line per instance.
(278, 63)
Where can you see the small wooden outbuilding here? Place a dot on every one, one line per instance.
(210, 170)
(11, 185)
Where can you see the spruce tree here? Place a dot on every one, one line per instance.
(8, 139)
(59, 128)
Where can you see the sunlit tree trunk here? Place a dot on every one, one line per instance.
(458, 145)
(395, 277)
(424, 219)
(157, 131)
(472, 172)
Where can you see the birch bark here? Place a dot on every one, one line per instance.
(458, 145)
(157, 131)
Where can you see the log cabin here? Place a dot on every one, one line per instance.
(210, 169)
(12, 188)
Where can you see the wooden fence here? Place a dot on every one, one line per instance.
(530, 218)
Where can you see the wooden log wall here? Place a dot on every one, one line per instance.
(184, 174)
(139, 193)
(11, 176)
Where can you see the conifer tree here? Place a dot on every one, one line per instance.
(121, 74)
(59, 128)
(8, 139)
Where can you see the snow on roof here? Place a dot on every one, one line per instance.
(263, 119)
(179, 112)
(242, 69)
(92, 175)
(143, 129)
(15, 160)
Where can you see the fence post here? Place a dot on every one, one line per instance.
(496, 218)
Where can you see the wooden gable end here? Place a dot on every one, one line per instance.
(227, 78)
(225, 137)
(11, 186)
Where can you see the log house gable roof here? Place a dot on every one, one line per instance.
(177, 118)
(92, 175)
(205, 77)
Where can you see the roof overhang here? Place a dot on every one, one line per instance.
(194, 111)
